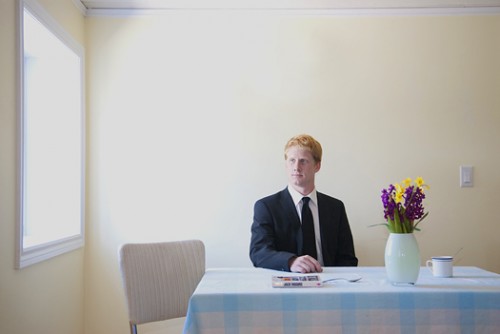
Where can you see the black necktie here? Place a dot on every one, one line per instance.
(309, 242)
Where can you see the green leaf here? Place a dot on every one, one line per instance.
(397, 223)
(390, 225)
(425, 215)
(381, 224)
(407, 225)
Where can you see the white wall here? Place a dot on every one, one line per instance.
(46, 298)
(189, 113)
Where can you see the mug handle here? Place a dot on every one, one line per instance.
(428, 264)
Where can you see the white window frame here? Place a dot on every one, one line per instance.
(74, 237)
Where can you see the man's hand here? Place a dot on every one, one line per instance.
(305, 264)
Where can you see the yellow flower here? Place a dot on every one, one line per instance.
(407, 182)
(398, 196)
(419, 181)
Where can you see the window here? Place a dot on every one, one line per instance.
(51, 182)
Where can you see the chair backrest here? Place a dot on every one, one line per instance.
(159, 278)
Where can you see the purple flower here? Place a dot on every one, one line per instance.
(414, 197)
(403, 206)
(388, 202)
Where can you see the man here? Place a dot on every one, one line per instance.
(280, 239)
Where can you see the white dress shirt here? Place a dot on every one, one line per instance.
(313, 205)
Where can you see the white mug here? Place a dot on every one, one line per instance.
(441, 266)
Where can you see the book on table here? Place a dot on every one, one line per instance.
(296, 281)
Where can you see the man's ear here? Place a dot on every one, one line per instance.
(318, 166)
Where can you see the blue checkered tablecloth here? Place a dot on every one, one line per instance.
(242, 300)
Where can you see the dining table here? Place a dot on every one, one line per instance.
(348, 300)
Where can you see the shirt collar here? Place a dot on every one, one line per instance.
(297, 197)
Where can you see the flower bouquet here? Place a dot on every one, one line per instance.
(403, 205)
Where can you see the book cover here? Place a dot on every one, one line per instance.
(296, 281)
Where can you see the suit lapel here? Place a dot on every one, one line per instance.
(324, 216)
(292, 216)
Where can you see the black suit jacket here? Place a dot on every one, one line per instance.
(277, 237)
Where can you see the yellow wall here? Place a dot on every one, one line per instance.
(47, 297)
(189, 113)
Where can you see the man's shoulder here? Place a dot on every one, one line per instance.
(276, 196)
(327, 198)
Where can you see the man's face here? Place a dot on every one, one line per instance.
(301, 168)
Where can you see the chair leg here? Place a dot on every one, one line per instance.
(133, 328)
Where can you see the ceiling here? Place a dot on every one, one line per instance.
(111, 5)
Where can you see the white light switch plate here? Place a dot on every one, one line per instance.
(466, 176)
